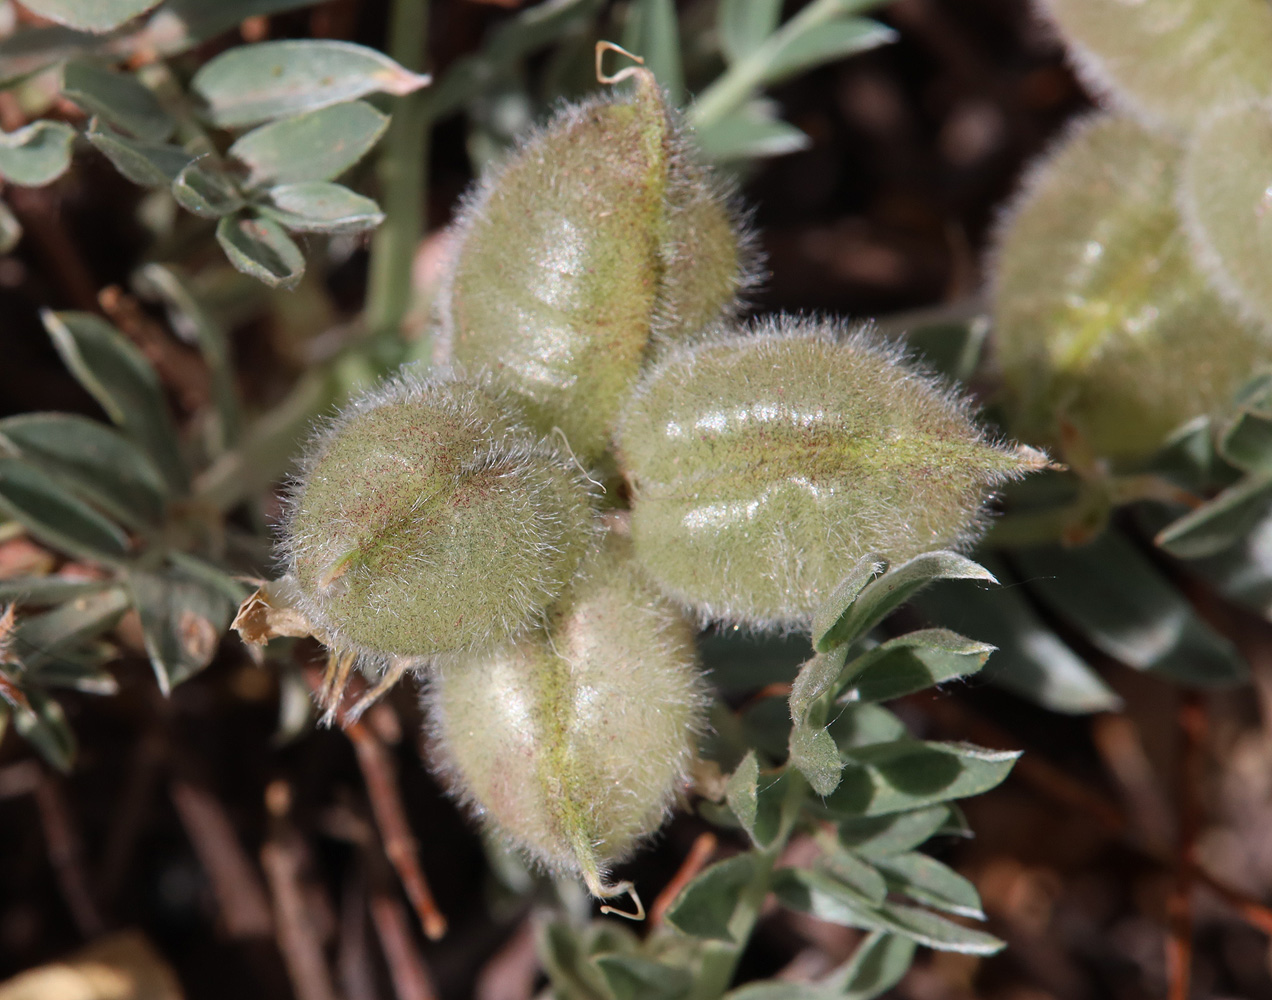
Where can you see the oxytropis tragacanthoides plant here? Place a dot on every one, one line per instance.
(601, 461)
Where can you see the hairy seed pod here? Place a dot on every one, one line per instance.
(571, 742)
(1226, 196)
(596, 237)
(762, 465)
(1102, 319)
(427, 518)
(1170, 61)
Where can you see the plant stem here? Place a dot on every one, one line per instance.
(746, 76)
(403, 165)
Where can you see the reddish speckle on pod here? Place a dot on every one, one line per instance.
(427, 517)
(762, 464)
(570, 742)
(597, 239)
(1102, 317)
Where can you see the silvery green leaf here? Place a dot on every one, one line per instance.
(741, 791)
(829, 899)
(813, 752)
(852, 871)
(31, 50)
(744, 24)
(183, 617)
(653, 32)
(881, 836)
(259, 247)
(98, 463)
(43, 638)
(875, 967)
(1124, 606)
(925, 880)
(705, 907)
(206, 191)
(44, 726)
(1222, 522)
(118, 98)
(150, 164)
(54, 516)
(825, 43)
(255, 83)
(322, 207)
(860, 724)
(313, 146)
(751, 132)
(817, 678)
(44, 590)
(125, 385)
(630, 977)
(827, 618)
(909, 774)
(36, 154)
(1031, 660)
(882, 596)
(91, 15)
(914, 662)
(10, 229)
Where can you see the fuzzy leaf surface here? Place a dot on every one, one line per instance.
(882, 596)
(909, 774)
(743, 25)
(1030, 659)
(914, 662)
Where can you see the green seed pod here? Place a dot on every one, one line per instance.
(763, 465)
(1226, 196)
(572, 741)
(1169, 61)
(427, 518)
(1102, 319)
(596, 237)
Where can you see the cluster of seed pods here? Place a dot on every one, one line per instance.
(1131, 288)
(602, 461)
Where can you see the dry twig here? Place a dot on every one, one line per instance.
(282, 857)
(390, 819)
(240, 896)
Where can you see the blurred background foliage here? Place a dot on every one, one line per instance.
(219, 220)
